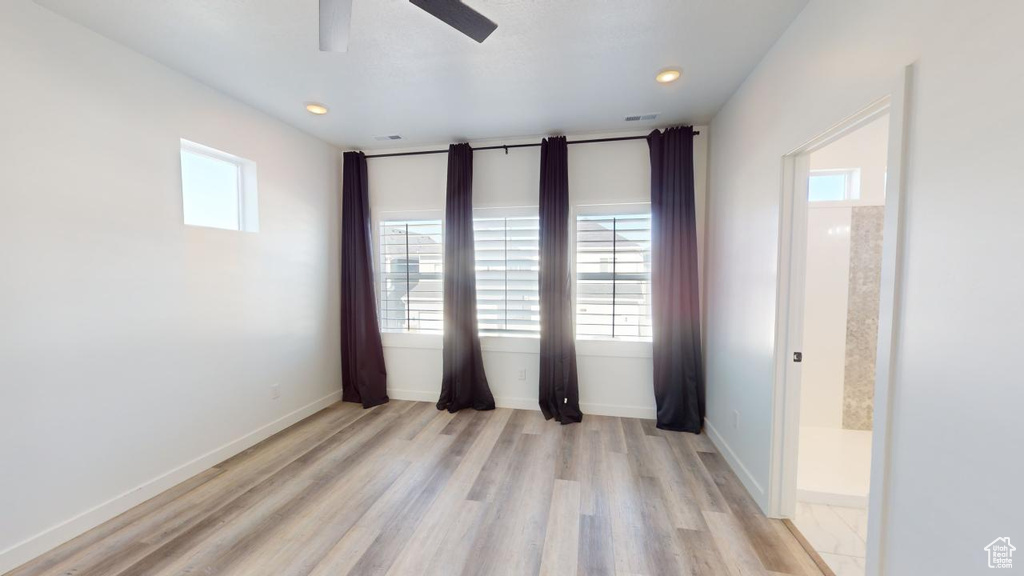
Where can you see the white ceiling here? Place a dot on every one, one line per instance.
(552, 66)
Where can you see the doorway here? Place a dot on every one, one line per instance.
(845, 217)
(838, 309)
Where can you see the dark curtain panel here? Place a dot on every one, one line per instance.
(675, 308)
(464, 384)
(559, 388)
(363, 375)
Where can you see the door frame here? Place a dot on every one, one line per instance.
(790, 311)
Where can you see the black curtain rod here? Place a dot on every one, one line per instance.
(506, 147)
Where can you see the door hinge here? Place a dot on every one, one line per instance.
(798, 356)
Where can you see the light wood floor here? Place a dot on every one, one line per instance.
(405, 489)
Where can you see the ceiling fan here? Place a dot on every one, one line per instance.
(336, 18)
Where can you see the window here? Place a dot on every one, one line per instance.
(834, 185)
(507, 267)
(411, 276)
(218, 190)
(613, 276)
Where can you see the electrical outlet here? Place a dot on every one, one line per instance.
(275, 391)
(522, 374)
(735, 419)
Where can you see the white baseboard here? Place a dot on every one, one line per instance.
(645, 412)
(642, 412)
(748, 480)
(56, 535)
(414, 395)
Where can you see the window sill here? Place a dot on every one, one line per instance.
(412, 340)
(523, 345)
(514, 344)
(615, 348)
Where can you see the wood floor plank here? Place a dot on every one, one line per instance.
(626, 514)
(417, 497)
(697, 477)
(658, 504)
(561, 543)
(729, 486)
(511, 539)
(662, 546)
(815, 557)
(534, 422)
(404, 489)
(245, 516)
(680, 499)
(318, 518)
(740, 558)
(611, 433)
(769, 545)
(593, 500)
(803, 562)
(570, 452)
(305, 538)
(700, 443)
(500, 458)
(595, 556)
(105, 533)
(111, 553)
(439, 544)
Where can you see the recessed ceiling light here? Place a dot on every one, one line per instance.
(668, 76)
(318, 109)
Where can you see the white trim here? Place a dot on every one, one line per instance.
(424, 340)
(585, 348)
(376, 257)
(790, 309)
(518, 403)
(890, 311)
(641, 412)
(748, 480)
(617, 348)
(247, 192)
(852, 178)
(789, 335)
(606, 209)
(414, 395)
(54, 536)
(506, 212)
(624, 209)
(789, 315)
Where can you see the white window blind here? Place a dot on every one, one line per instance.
(411, 276)
(507, 265)
(613, 276)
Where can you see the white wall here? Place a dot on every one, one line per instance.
(615, 377)
(826, 297)
(957, 394)
(135, 352)
(865, 148)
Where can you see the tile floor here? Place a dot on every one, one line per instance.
(834, 466)
(838, 534)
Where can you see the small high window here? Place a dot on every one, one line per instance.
(834, 185)
(218, 190)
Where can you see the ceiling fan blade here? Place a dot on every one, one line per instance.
(335, 22)
(459, 16)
